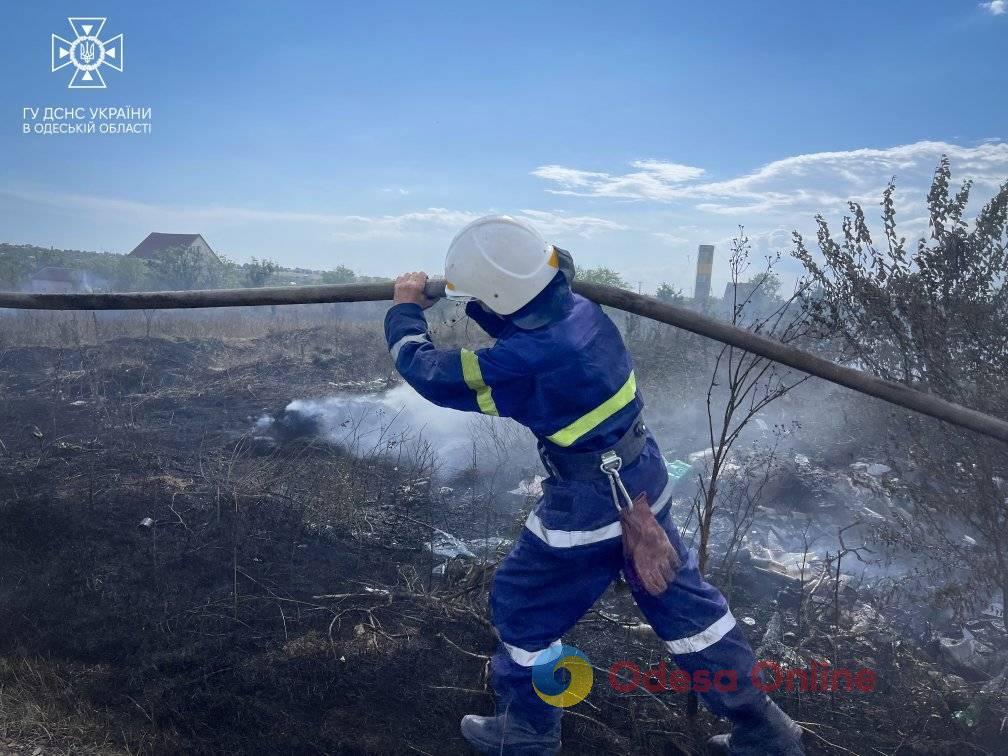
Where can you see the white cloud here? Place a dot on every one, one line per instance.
(558, 224)
(360, 227)
(815, 180)
(439, 220)
(655, 179)
(552, 224)
(996, 7)
(163, 215)
(670, 238)
(770, 200)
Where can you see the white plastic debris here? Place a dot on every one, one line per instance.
(677, 468)
(749, 621)
(446, 545)
(485, 546)
(147, 522)
(995, 609)
(700, 456)
(873, 469)
(971, 541)
(530, 488)
(865, 618)
(967, 651)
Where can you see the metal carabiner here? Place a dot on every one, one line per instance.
(611, 464)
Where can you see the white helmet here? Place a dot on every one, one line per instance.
(500, 261)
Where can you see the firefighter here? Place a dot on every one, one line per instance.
(559, 367)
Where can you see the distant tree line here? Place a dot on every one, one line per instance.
(174, 269)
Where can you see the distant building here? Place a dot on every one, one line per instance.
(740, 293)
(52, 280)
(156, 245)
(704, 265)
(750, 295)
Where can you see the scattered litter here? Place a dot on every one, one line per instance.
(971, 541)
(642, 629)
(446, 545)
(700, 456)
(864, 618)
(967, 651)
(773, 543)
(78, 403)
(677, 468)
(874, 469)
(902, 514)
(994, 609)
(749, 621)
(446, 490)
(147, 522)
(486, 546)
(529, 488)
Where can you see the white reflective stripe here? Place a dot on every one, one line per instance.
(526, 658)
(704, 638)
(417, 338)
(565, 539)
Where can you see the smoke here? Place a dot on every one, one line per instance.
(391, 420)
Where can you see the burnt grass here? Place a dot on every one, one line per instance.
(280, 599)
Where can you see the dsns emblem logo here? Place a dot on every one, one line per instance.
(87, 53)
(547, 677)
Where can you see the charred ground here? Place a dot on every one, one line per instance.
(170, 583)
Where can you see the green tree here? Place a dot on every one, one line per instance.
(604, 276)
(342, 274)
(258, 272)
(766, 285)
(15, 265)
(934, 317)
(130, 274)
(669, 293)
(185, 268)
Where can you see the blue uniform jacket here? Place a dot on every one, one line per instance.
(571, 381)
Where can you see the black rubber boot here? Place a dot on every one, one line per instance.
(775, 735)
(504, 734)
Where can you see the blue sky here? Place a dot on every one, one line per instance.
(366, 134)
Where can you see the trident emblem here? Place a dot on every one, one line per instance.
(87, 53)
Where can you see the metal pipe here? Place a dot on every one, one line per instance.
(638, 304)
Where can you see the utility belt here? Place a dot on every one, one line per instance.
(595, 464)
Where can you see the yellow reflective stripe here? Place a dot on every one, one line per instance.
(474, 379)
(608, 408)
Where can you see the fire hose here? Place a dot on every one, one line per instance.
(637, 304)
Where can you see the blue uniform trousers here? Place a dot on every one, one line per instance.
(554, 575)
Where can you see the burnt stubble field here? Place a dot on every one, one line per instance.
(177, 576)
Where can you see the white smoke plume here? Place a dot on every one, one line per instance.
(368, 423)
